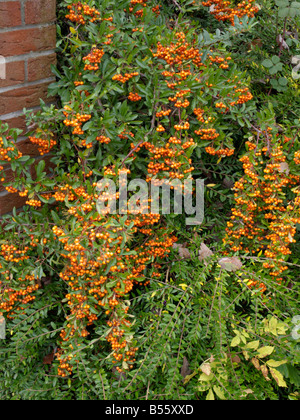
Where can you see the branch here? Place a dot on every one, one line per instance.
(146, 135)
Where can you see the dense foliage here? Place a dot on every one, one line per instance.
(140, 305)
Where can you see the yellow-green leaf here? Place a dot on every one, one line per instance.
(206, 378)
(282, 328)
(265, 351)
(278, 377)
(273, 325)
(253, 345)
(276, 363)
(210, 396)
(73, 30)
(203, 387)
(219, 392)
(189, 377)
(235, 341)
(243, 338)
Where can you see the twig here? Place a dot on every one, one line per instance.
(177, 5)
(211, 308)
(146, 135)
(148, 386)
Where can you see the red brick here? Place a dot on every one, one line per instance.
(28, 97)
(24, 41)
(10, 14)
(40, 67)
(15, 74)
(9, 176)
(19, 42)
(20, 122)
(27, 148)
(9, 201)
(40, 11)
(17, 122)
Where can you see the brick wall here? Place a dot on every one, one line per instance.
(27, 50)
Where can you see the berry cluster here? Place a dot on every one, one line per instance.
(93, 59)
(44, 145)
(134, 97)
(103, 256)
(140, 12)
(224, 9)
(8, 151)
(219, 152)
(178, 56)
(81, 13)
(101, 244)
(261, 194)
(103, 139)
(16, 294)
(75, 120)
(125, 78)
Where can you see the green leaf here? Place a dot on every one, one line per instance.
(282, 3)
(55, 71)
(275, 59)
(55, 217)
(290, 372)
(278, 67)
(2, 328)
(39, 168)
(283, 12)
(189, 377)
(267, 63)
(274, 83)
(282, 81)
